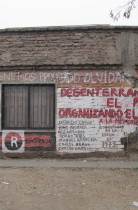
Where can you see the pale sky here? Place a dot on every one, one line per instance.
(34, 13)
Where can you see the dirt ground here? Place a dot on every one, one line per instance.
(68, 189)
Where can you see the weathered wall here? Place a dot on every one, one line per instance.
(60, 47)
(94, 110)
(95, 72)
(69, 45)
(94, 119)
(130, 142)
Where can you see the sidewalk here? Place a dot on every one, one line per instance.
(68, 163)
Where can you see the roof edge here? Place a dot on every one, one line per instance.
(69, 27)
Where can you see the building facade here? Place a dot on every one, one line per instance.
(68, 89)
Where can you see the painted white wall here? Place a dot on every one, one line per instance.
(76, 135)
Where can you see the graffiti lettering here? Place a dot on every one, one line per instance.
(109, 144)
(94, 77)
(106, 92)
(99, 115)
(37, 141)
(96, 113)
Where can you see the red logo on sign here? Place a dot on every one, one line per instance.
(13, 141)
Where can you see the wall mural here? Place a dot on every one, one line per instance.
(87, 118)
(12, 141)
(17, 141)
(94, 119)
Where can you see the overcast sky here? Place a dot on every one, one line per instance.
(33, 13)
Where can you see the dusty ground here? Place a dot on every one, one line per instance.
(68, 189)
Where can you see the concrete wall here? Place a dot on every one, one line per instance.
(95, 70)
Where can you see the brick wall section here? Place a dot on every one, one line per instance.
(61, 46)
(56, 47)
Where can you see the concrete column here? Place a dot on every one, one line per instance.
(128, 55)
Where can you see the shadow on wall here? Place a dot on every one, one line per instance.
(130, 142)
